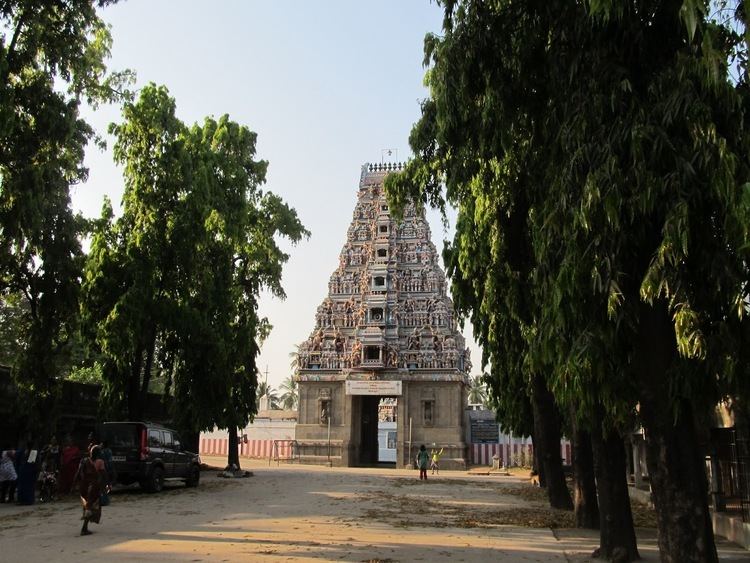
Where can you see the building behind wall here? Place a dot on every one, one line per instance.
(385, 336)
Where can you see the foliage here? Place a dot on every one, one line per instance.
(172, 286)
(290, 393)
(478, 391)
(267, 391)
(87, 374)
(598, 156)
(14, 327)
(51, 58)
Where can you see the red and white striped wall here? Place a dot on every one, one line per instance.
(481, 454)
(251, 448)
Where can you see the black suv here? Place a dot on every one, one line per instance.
(149, 454)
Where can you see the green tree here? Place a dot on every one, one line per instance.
(478, 391)
(492, 260)
(14, 321)
(606, 144)
(290, 393)
(174, 282)
(87, 374)
(51, 59)
(267, 391)
(133, 267)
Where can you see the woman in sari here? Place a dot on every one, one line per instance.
(92, 476)
(71, 457)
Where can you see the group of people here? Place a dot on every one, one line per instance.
(19, 470)
(26, 469)
(423, 458)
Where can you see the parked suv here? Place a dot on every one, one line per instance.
(149, 453)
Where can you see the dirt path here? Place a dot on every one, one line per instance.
(295, 513)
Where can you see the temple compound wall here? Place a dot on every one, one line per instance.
(384, 347)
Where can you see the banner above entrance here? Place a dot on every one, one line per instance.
(382, 388)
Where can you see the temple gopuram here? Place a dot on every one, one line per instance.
(385, 368)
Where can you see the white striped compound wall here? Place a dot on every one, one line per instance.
(251, 448)
(481, 454)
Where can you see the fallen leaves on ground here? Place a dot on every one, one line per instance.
(427, 509)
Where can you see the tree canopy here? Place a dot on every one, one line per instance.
(172, 285)
(597, 153)
(52, 57)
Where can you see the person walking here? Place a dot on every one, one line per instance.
(92, 476)
(435, 460)
(422, 460)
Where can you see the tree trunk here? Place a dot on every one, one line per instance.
(673, 456)
(135, 406)
(146, 378)
(585, 503)
(536, 466)
(191, 440)
(678, 482)
(616, 532)
(233, 455)
(547, 434)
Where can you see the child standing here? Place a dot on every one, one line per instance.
(422, 459)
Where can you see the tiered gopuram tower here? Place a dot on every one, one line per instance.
(386, 330)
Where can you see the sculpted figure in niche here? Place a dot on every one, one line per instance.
(364, 284)
(340, 342)
(303, 355)
(317, 340)
(450, 358)
(413, 342)
(437, 343)
(467, 360)
(356, 355)
(355, 281)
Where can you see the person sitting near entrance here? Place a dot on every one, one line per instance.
(422, 458)
(435, 460)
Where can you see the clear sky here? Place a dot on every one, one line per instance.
(327, 86)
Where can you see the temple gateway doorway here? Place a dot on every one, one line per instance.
(378, 429)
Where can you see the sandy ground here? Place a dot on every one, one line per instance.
(297, 513)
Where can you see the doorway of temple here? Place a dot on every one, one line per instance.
(378, 430)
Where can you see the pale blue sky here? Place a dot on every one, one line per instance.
(326, 85)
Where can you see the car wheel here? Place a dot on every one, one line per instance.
(194, 476)
(156, 480)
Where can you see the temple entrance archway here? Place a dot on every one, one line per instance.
(378, 429)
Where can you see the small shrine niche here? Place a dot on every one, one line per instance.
(372, 353)
(377, 315)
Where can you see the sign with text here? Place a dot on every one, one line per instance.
(383, 388)
(484, 431)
